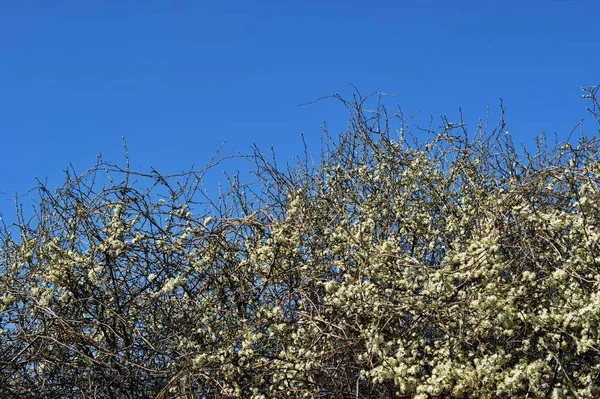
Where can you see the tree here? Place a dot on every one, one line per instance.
(392, 269)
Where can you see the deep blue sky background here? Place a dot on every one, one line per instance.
(177, 78)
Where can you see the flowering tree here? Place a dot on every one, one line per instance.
(393, 269)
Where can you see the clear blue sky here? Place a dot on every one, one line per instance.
(179, 77)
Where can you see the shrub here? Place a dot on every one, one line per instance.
(392, 269)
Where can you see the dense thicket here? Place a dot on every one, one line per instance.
(392, 269)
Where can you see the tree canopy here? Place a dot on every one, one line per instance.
(456, 267)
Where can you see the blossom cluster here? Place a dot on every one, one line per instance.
(454, 269)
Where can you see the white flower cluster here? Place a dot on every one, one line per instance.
(457, 270)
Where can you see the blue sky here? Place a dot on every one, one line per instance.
(178, 78)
